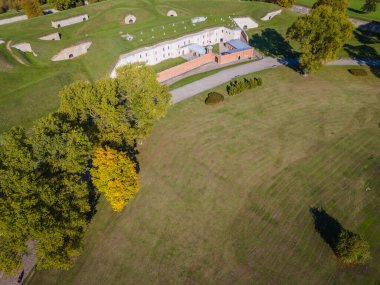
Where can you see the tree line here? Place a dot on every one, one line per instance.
(32, 8)
(51, 174)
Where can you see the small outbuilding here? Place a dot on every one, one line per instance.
(130, 19)
(171, 13)
(197, 50)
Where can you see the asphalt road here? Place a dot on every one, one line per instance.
(224, 76)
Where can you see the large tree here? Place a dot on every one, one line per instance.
(285, 3)
(369, 6)
(32, 8)
(352, 248)
(118, 110)
(63, 4)
(339, 5)
(114, 174)
(320, 35)
(43, 194)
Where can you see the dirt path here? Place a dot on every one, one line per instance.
(18, 59)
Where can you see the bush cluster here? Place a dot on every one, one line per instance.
(358, 72)
(238, 86)
(214, 98)
(352, 248)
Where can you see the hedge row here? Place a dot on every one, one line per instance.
(358, 72)
(238, 86)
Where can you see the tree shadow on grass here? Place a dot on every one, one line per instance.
(356, 11)
(272, 43)
(365, 55)
(328, 227)
(366, 37)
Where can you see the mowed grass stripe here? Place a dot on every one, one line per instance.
(227, 190)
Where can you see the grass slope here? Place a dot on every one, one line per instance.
(227, 190)
(103, 29)
(29, 92)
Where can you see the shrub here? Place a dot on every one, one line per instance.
(352, 248)
(214, 98)
(358, 72)
(238, 86)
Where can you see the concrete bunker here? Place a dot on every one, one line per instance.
(270, 15)
(130, 19)
(72, 52)
(245, 23)
(171, 13)
(24, 47)
(69, 21)
(51, 37)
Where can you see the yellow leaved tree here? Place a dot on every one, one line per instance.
(114, 175)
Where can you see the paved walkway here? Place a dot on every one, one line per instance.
(221, 77)
(224, 76)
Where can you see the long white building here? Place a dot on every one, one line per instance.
(174, 48)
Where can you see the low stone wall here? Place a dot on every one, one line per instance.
(69, 21)
(72, 52)
(185, 67)
(236, 56)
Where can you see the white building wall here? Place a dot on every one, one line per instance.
(175, 48)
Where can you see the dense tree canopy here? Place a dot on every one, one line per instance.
(285, 3)
(45, 183)
(63, 4)
(339, 5)
(43, 196)
(32, 8)
(114, 174)
(320, 35)
(120, 109)
(352, 248)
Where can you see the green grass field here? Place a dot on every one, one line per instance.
(227, 190)
(354, 9)
(39, 82)
(29, 92)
